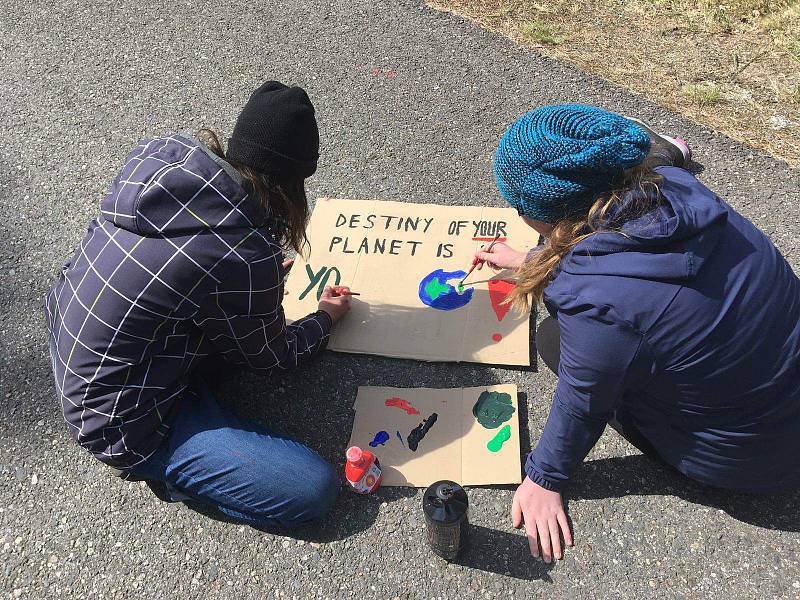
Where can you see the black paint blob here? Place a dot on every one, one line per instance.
(416, 435)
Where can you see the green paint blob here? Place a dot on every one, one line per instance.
(501, 438)
(436, 288)
(493, 409)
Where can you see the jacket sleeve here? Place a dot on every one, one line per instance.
(244, 320)
(600, 359)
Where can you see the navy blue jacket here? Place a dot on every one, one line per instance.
(691, 324)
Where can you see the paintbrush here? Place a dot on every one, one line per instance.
(475, 262)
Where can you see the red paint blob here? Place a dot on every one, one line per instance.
(499, 289)
(403, 404)
(497, 337)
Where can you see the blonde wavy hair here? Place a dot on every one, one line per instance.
(636, 196)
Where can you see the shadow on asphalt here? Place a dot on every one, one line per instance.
(488, 550)
(352, 514)
(638, 475)
(503, 553)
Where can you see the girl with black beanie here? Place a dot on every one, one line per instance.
(185, 264)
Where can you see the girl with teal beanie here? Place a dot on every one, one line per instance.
(672, 317)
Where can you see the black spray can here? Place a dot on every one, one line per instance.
(445, 506)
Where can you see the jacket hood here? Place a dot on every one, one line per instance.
(173, 186)
(668, 244)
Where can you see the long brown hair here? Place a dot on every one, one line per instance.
(286, 200)
(537, 272)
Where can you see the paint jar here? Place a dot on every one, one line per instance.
(362, 470)
(445, 506)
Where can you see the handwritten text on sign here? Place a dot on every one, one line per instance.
(349, 237)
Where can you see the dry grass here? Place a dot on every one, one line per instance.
(733, 66)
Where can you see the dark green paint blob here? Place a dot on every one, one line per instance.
(493, 409)
(436, 288)
(460, 288)
(501, 438)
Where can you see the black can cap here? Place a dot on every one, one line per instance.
(445, 502)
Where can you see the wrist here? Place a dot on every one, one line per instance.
(538, 478)
(324, 313)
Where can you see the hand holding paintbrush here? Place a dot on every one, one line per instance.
(499, 256)
(475, 262)
(335, 300)
(342, 290)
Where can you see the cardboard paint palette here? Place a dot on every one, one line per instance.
(422, 435)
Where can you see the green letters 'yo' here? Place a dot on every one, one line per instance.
(445, 506)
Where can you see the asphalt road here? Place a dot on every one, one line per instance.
(411, 103)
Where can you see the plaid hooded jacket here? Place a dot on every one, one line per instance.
(181, 263)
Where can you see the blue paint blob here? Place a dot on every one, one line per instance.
(436, 292)
(380, 439)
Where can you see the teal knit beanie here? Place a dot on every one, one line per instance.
(555, 160)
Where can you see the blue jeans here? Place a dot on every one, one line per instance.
(241, 469)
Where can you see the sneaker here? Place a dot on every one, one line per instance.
(665, 150)
(160, 490)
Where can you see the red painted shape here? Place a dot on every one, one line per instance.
(497, 337)
(403, 404)
(499, 289)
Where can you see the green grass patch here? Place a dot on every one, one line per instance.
(703, 93)
(539, 32)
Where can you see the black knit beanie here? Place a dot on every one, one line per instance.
(276, 133)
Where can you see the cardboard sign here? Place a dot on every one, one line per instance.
(468, 435)
(406, 261)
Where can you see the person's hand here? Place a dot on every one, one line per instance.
(335, 301)
(287, 264)
(500, 256)
(544, 517)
